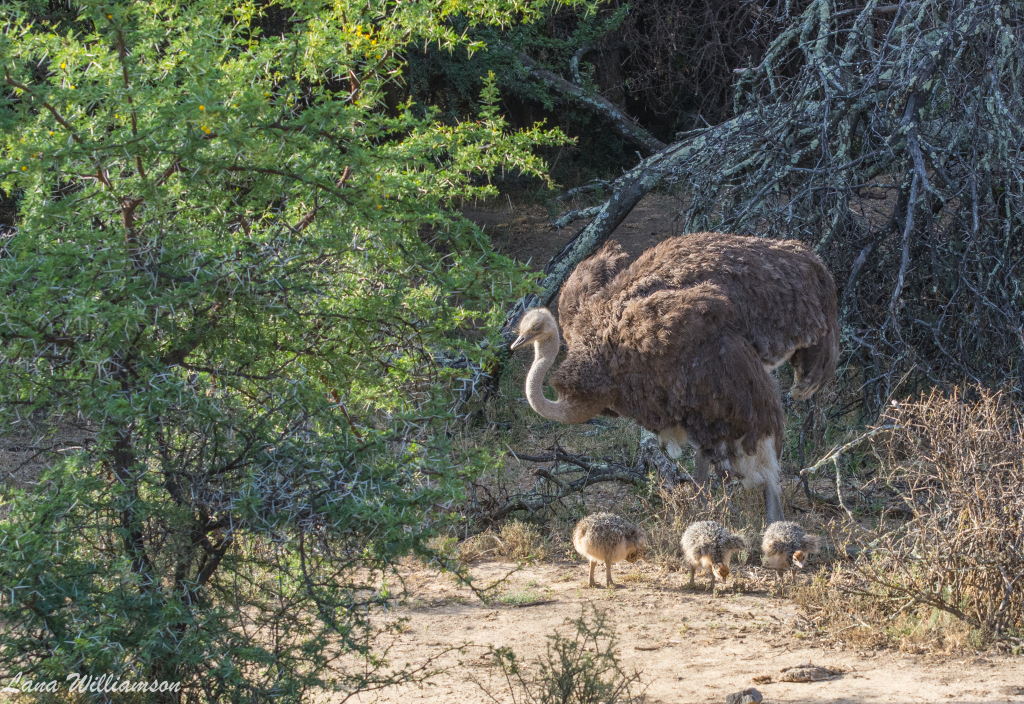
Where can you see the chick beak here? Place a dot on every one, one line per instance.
(517, 343)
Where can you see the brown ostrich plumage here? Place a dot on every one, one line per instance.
(683, 339)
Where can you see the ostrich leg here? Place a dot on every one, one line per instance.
(762, 469)
(772, 480)
(772, 501)
(701, 468)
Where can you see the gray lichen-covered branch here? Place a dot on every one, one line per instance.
(623, 123)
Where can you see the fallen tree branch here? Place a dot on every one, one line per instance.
(574, 215)
(693, 153)
(836, 452)
(595, 185)
(623, 123)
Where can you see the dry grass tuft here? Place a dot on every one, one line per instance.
(514, 540)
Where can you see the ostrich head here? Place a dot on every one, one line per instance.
(799, 558)
(719, 569)
(638, 551)
(536, 325)
(539, 327)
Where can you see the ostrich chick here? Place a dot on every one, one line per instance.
(709, 545)
(607, 538)
(786, 545)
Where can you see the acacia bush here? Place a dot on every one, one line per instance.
(238, 277)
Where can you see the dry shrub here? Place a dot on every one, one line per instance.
(514, 540)
(581, 667)
(955, 467)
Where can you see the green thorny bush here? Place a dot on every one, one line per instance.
(237, 272)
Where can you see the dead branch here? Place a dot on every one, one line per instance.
(567, 475)
(623, 123)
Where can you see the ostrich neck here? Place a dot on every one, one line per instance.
(562, 411)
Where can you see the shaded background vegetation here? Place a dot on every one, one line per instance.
(885, 136)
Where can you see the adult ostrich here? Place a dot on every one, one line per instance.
(683, 341)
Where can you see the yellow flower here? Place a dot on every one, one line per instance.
(205, 129)
(379, 206)
(25, 168)
(110, 16)
(202, 107)
(51, 133)
(63, 64)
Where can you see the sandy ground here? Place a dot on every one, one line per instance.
(526, 232)
(690, 647)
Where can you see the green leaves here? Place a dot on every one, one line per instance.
(239, 269)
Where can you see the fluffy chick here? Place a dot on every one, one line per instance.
(607, 538)
(710, 545)
(786, 545)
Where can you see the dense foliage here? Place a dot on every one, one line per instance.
(239, 281)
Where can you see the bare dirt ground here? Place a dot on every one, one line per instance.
(690, 647)
(526, 232)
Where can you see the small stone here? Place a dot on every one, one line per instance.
(747, 696)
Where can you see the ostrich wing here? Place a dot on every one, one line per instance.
(783, 297)
(577, 297)
(678, 359)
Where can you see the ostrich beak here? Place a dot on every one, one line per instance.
(518, 342)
